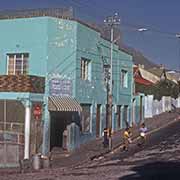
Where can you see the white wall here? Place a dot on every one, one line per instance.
(155, 107)
(148, 106)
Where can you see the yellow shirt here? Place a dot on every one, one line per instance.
(126, 134)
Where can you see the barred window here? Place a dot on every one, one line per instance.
(85, 69)
(86, 116)
(17, 63)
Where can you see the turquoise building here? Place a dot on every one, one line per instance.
(53, 85)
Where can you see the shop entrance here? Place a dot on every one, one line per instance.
(59, 123)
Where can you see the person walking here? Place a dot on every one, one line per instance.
(126, 139)
(142, 134)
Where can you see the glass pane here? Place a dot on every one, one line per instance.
(18, 56)
(26, 55)
(21, 63)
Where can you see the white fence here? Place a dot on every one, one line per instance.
(155, 107)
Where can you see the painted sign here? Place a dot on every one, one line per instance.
(60, 87)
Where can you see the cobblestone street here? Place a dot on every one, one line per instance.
(160, 158)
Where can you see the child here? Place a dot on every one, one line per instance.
(142, 133)
(143, 130)
(127, 139)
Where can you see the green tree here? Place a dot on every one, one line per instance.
(162, 88)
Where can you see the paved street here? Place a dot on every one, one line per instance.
(159, 159)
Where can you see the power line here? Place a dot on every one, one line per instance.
(133, 26)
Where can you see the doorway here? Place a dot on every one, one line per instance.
(59, 122)
(98, 116)
(118, 117)
(125, 116)
(134, 112)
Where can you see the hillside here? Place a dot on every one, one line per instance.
(138, 57)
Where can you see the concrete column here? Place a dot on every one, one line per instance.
(122, 117)
(113, 118)
(27, 130)
(46, 130)
(129, 115)
(148, 107)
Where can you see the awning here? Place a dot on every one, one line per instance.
(63, 104)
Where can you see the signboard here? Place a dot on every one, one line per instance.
(60, 87)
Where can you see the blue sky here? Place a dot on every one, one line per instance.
(155, 15)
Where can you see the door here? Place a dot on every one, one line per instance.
(98, 120)
(125, 116)
(59, 122)
(134, 112)
(118, 117)
(56, 130)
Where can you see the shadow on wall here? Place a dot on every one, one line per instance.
(155, 171)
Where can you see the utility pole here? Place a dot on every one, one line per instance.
(178, 36)
(111, 21)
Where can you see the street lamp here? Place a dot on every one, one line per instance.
(111, 21)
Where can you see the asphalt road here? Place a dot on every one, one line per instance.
(158, 159)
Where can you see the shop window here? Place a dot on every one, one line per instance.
(17, 63)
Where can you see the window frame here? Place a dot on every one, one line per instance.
(85, 70)
(124, 78)
(21, 61)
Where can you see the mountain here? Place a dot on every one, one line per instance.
(138, 57)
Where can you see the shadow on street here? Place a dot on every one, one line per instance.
(155, 171)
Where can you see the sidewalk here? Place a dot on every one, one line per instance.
(95, 149)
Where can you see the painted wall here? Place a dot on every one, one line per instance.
(56, 47)
(24, 35)
(139, 117)
(92, 90)
(61, 48)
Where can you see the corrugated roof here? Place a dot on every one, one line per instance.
(149, 76)
(159, 72)
(63, 104)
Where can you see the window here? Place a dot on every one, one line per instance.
(124, 78)
(85, 69)
(17, 63)
(85, 120)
